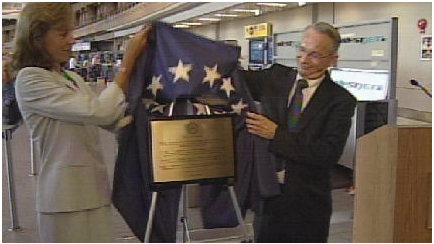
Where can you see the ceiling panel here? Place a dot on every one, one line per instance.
(231, 11)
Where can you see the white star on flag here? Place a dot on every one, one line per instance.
(148, 102)
(227, 86)
(180, 71)
(211, 75)
(236, 108)
(155, 85)
(217, 112)
(201, 109)
(159, 108)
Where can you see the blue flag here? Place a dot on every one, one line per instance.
(180, 65)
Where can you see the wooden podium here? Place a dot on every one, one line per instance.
(393, 185)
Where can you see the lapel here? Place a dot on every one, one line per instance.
(286, 81)
(320, 99)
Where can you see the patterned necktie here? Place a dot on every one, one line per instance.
(296, 104)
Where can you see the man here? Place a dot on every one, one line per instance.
(307, 149)
(7, 71)
(10, 112)
(72, 63)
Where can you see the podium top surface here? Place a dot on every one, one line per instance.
(405, 122)
(416, 126)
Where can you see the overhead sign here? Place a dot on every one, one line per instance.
(259, 30)
(81, 46)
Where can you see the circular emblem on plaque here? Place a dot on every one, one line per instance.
(192, 128)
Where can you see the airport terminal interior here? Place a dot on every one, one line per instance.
(382, 182)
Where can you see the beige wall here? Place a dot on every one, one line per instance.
(408, 13)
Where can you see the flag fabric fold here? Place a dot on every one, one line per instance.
(178, 64)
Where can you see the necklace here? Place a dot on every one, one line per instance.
(66, 75)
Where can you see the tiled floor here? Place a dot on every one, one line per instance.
(341, 222)
(341, 229)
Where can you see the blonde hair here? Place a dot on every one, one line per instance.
(35, 20)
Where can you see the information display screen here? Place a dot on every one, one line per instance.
(81, 46)
(365, 85)
(256, 51)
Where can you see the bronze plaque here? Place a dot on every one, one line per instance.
(186, 149)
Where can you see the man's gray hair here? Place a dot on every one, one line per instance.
(329, 30)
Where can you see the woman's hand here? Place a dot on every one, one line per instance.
(260, 125)
(135, 48)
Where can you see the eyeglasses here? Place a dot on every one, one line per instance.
(312, 54)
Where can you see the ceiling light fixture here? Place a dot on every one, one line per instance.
(255, 11)
(272, 4)
(245, 10)
(301, 4)
(191, 23)
(209, 19)
(181, 26)
(226, 15)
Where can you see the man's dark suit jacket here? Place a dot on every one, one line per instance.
(302, 213)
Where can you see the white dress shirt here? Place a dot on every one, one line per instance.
(307, 92)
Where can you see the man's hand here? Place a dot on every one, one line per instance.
(260, 125)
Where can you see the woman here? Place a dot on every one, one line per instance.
(63, 115)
